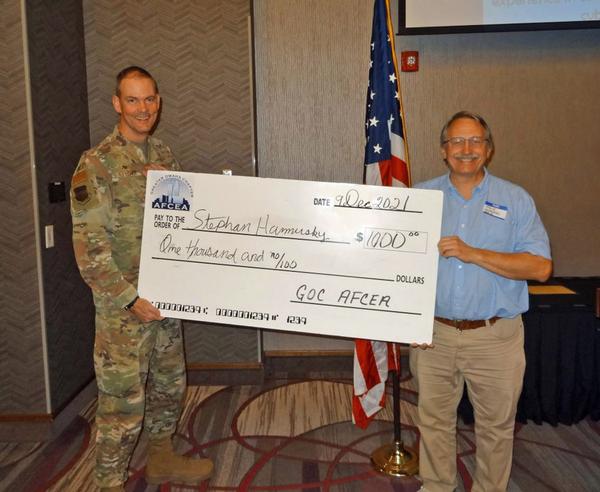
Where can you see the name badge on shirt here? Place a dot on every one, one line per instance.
(495, 210)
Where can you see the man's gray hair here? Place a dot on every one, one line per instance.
(471, 116)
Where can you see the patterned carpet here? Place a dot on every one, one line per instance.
(298, 435)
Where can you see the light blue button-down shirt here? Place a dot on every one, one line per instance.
(511, 225)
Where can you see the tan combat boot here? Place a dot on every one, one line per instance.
(164, 465)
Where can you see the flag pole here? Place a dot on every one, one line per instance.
(390, 28)
(386, 163)
(395, 459)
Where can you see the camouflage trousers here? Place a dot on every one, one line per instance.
(140, 372)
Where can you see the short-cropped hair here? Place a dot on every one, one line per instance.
(133, 69)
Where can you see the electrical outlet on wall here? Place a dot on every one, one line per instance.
(49, 233)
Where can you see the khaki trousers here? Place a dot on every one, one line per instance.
(491, 360)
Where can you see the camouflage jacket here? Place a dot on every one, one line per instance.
(107, 205)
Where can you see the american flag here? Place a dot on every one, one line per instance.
(385, 150)
(372, 361)
(386, 163)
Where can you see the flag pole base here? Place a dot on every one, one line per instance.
(396, 460)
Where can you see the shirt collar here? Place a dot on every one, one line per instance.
(480, 188)
(133, 147)
(117, 134)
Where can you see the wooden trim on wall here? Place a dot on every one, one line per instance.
(321, 353)
(23, 417)
(309, 353)
(195, 366)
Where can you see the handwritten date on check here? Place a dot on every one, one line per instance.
(324, 258)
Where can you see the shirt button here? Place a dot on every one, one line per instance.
(462, 225)
(459, 267)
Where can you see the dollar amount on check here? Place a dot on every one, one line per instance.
(324, 258)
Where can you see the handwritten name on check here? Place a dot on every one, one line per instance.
(325, 258)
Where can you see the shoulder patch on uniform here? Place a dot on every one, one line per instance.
(80, 183)
(80, 177)
(84, 195)
(81, 194)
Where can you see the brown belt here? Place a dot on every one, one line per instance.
(466, 324)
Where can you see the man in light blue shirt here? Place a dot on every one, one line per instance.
(493, 241)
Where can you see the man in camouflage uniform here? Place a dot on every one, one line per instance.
(138, 354)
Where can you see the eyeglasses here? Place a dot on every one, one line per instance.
(460, 141)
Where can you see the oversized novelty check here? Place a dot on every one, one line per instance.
(326, 258)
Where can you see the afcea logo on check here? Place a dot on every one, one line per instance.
(172, 193)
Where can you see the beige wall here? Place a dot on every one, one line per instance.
(311, 78)
(538, 90)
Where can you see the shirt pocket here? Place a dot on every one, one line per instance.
(497, 234)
